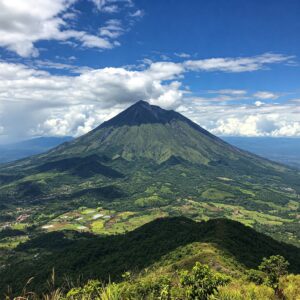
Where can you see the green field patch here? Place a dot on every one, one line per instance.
(10, 243)
(126, 214)
(88, 211)
(122, 223)
(246, 192)
(62, 226)
(40, 176)
(151, 201)
(249, 217)
(98, 226)
(19, 226)
(293, 205)
(215, 194)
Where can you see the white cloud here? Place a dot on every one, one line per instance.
(257, 125)
(252, 125)
(230, 92)
(236, 65)
(24, 23)
(266, 95)
(182, 55)
(245, 119)
(33, 101)
(137, 14)
(113, 29)
(259, 103)
(93, 41)
(47, 64)
(111, 6)
(165, 70)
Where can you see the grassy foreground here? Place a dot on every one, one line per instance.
(201, 282)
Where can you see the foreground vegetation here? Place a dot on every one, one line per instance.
(167, 244)
(201, 282)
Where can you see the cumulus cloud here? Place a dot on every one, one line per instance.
(35, 102)
(24, 23)
(71, 104)
(253, 125)
(245, 119)
(257, 125)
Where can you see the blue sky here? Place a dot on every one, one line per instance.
(231, 66)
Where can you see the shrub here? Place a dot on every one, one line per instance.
(255, 276)
(148, 288)
(244, 291)
(201, 282)
(274, 267)
(290, 285)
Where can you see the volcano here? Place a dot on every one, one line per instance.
(148, 158)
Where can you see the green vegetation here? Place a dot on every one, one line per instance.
(274, 268)
(200, 282)
(136, 166)
(168, 243)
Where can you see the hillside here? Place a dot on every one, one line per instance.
(168, 243)
(145, 163)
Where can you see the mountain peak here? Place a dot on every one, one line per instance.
(142, 113)
(142, 103)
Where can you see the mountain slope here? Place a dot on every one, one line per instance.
(148, 158)
(145, 131)
(163, 242)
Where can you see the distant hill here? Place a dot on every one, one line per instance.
(11, 152)
(224, 244)
(283, 150)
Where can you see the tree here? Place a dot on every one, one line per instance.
(274, 267)
(201, 282)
